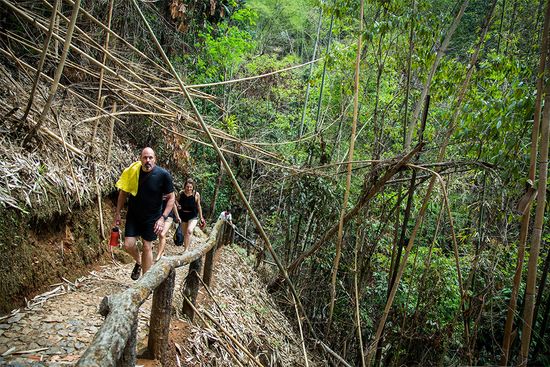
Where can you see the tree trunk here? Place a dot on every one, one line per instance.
(161, 313)
(191, 289)
(129, 355)
(209, 258)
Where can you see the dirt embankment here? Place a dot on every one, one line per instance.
(36, 253)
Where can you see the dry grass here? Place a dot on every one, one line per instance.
(56, 170)
(243, 308)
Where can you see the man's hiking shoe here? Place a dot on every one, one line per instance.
(136, 272)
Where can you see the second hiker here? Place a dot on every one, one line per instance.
(190, 211)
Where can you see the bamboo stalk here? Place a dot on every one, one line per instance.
(101, 74)
(111, 131)
(427, 263)
(57, 75)
(536, 236)
(236, 185)
(419, 221)
(303, 343)
(42, 60)
(69, 160)
(357, 300)
(209, 291)
(308, 84)
(92, 61)
(363, 200)
(441, 155)
(343, 209)
(141, 54)
(90, 58)
(56, 9)
(526, 217)
(167, 115)
(425, 90)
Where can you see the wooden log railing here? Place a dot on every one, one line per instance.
(115, 342)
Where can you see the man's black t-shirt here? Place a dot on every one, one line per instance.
(147, 204)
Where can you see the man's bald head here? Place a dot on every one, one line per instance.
(148, 159)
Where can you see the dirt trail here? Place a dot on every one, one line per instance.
(56, 330)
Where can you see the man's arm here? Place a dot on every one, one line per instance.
(119, 204)
(159, 224)
(169, 204)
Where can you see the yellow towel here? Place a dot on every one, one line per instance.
(129, 179)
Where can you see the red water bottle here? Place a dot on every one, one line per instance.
(115, 237)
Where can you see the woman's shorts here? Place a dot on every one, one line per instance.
(187, 216)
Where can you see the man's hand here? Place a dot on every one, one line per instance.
(116, 221)
(202, 223)
(159, 226)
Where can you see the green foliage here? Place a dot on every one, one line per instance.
(288, 17)
(226, 46)
(231, 124)
(493, 127)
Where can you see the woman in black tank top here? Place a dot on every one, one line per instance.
(189, 211)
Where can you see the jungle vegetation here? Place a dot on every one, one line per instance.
(394, 154)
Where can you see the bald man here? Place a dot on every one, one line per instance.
(146, 216)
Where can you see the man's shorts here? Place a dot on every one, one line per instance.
(143, 228)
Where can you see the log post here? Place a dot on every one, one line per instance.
(227, 234)
(191, 288)
(159, 326)
(208, 266)
(128, 357)
(209, 260)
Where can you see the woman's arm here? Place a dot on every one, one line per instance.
(177, 207)
(176, 212)
(198, 201)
